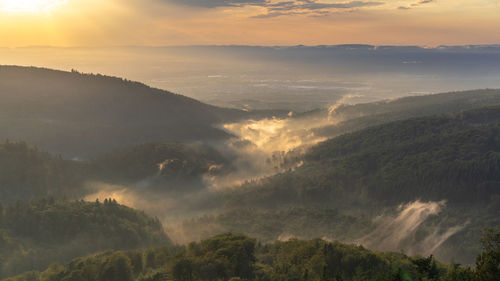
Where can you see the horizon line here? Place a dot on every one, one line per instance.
(255, 46)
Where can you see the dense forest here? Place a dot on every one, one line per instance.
(341, 186)
(440, 153)
(27, 173)
(433, 158)
(166, 164)
(238, 257)
(32, 235)
(346, 182)
(360, 116)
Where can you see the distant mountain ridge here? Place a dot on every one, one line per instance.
(360, 58)
(75, 114)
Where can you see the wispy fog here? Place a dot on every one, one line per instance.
(406, 230)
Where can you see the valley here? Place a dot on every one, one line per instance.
(413, 177)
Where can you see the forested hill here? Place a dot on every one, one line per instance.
(27, 173)
(79, 114)
(173, 161)
(35, 234)
(238, 257)
(360, 116)
(454, 158)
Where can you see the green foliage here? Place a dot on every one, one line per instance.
(456, 158)
(361, 116)
(28, 173)
(269, 225)
(362, 174)
(321, 260)
(35, 234)
(237, 257)
(116, 268)
(169, 161)
(183, 269)
(426, 267)
(488, 262)
(459, 273)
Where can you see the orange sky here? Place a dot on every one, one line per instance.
(248, 22)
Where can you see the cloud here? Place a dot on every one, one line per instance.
(220, 3)
(314, 5)
(422, 2)
(274, 9)
(417, 4)
(311, 7)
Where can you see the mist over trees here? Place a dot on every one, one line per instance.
(440, 152)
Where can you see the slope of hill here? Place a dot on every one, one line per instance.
(27, 173)
(83, 114)
(161, 161)
(346, 182)
(455, 158)
(359, 116)
(34, 235)
(238, 257)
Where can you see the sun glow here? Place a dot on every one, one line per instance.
(30, 6)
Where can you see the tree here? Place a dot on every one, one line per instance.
(459, 273)
(118, 268)
(488, 262)
(426, 267)
(183, 270)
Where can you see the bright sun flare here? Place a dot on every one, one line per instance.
(30, 6)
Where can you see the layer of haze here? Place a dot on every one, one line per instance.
(293, 78)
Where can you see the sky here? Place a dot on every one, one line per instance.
(68, 23)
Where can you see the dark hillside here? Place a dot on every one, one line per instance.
(83, 114)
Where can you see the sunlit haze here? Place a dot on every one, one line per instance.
(257, 22)
(30, 6)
